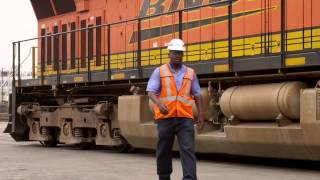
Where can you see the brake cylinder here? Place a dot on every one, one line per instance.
(262, 102)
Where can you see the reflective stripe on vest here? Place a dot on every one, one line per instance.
(167, 76)
(178, 98)
(179, 103)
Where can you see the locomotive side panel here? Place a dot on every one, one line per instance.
(256, 32)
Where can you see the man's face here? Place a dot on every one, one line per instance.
(176, 57)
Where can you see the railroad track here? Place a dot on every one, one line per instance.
(4, 117)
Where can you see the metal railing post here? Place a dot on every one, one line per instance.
(139, 49)
(230, 61)
(14, 91)
(13, 63)
(104, 48)
(180, 24)
(42, 69)
(33, 62)
(88, 49)
(109, 51)
(19, 61)
(283, 33)
(58, 60)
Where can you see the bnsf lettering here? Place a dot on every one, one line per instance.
(187, 4)
(153, 8)
(158, 6)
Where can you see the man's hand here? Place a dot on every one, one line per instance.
(163, 109)
(199, 104)
(200, 122)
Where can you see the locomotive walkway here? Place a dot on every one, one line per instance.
(28, 160)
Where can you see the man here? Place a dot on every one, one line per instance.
(173, 88)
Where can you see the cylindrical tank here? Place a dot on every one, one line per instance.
(262, 102)
(209, 109)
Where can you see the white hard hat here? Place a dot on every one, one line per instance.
(176, 45)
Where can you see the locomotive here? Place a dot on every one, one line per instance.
(257, 62)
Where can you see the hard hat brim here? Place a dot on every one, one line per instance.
(177, 49)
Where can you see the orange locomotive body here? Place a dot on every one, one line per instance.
(246, 54)
(256, 31)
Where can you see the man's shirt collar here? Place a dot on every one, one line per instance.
(182, 70)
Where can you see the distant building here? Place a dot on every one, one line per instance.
(5, 85)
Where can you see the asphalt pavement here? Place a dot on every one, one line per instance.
(31, 161)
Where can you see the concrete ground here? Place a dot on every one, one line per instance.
(32, 161)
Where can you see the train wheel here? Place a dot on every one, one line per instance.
(123, 148)
(85, 145)
(51, 143)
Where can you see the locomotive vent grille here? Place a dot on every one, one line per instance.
(318, 104)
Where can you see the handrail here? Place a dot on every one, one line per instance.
(138, 39)
(130, 20)
(108, 25)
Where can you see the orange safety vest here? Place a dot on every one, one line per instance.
(179, 103)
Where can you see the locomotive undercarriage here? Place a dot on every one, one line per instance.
(61, 116)
(108, 114)
(73, 124)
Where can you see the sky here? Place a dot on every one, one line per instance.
(18, 22)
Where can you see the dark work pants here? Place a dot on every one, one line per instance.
(184, 130)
